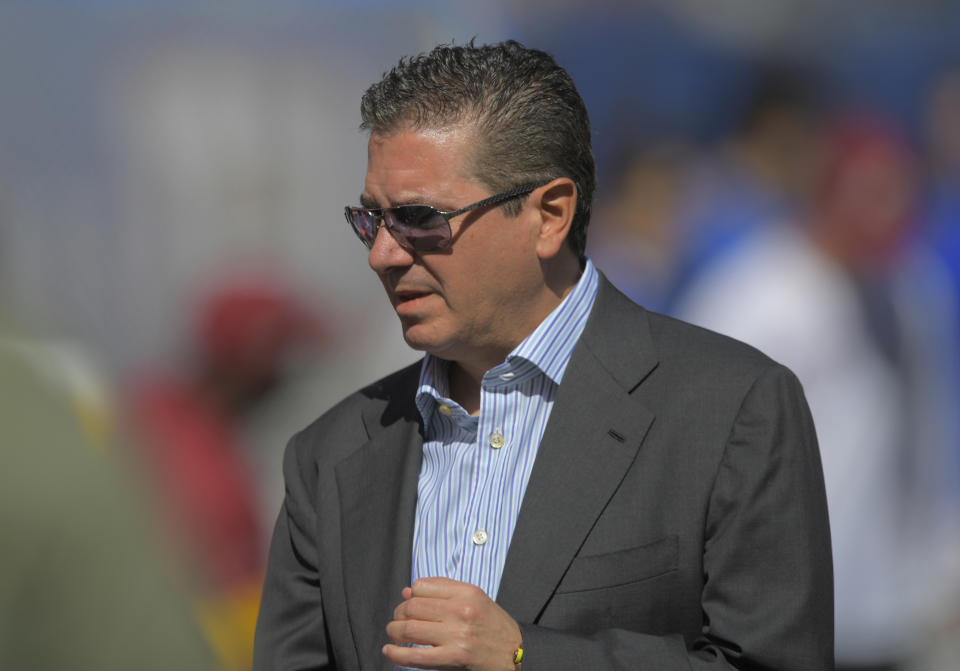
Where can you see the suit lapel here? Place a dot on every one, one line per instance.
(592, 438)
(378, 493)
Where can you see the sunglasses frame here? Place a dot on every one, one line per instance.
(380, 216)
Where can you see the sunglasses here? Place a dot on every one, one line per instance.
(419, 228)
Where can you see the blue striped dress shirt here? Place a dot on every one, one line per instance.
(475, 468)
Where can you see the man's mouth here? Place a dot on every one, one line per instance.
(405, 296)
(409, 294)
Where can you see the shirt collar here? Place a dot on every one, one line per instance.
(550, 345)
(545, 351)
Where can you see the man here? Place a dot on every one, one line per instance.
(83, 585)
(566, 481)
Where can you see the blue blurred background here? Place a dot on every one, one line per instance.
(173, 253)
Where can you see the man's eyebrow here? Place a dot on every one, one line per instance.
(369, 203)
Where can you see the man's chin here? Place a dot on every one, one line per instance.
(415, 338)
(422, 339)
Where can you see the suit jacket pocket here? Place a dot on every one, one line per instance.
(622, 567)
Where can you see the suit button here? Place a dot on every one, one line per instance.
(479, 537)
(496, 440)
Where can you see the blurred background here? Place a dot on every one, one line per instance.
(175, 269)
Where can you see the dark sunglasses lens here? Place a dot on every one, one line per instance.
(420, 227)
(363, 223)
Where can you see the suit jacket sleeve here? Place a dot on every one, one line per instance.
(767, 595)
(291, 632)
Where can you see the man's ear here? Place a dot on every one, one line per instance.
(556, 204)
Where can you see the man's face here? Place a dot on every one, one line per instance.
(472, 301)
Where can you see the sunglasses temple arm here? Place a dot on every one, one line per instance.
(499, 198)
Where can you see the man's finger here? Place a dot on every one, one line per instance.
(422, 608)
(404, 656)
(415, 631)
(424, 658)
(442, 588)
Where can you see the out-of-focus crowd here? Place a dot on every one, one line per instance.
(183, 294)
(826, 238)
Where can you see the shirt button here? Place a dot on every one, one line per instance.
(496, 440)
(479, 537)
(508, 376)
(445, 409)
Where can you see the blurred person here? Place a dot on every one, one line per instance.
(863, 314)
(636, 236)
(566, 480)
(942, 151)
(71, 370)
(942, 128)
(83, 584)
(941, 220)
(762, 171)
(189, 425)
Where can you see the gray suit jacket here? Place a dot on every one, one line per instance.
(675, 518)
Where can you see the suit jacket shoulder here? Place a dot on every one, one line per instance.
(632, 343)
(361, 415)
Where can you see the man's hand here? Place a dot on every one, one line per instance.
(465, 627)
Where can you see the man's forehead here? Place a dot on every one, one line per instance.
(456, 138)
(408, 165)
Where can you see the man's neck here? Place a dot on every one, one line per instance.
(466, 371)
(465, 387)
(466, 375)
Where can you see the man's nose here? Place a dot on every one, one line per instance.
(387, 253)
